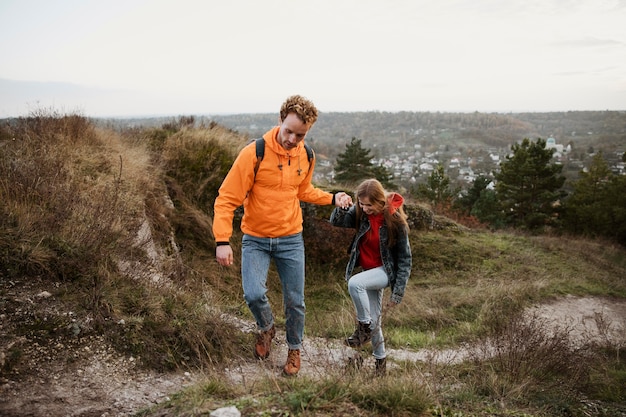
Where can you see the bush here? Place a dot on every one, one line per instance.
(527, 358)
(61, 210)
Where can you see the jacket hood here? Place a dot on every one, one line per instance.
(394, 202)
(271, 137)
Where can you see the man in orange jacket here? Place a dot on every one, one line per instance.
(272, 222)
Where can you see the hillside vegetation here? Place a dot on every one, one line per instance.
(107, 233)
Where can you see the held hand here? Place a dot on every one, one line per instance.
(343, 200)
(224, 255)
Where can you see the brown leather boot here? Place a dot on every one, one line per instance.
(293, 363)
(381, 367)
(361, 335)
(263, 344)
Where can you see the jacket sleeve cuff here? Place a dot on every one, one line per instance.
(333, 202)
(396, 298)
(222, 243)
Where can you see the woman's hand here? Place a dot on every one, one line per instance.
(343, 200)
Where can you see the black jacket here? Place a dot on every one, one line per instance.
(397, 260)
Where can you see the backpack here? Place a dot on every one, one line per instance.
(260, 153)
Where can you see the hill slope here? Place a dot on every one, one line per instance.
(109, 293)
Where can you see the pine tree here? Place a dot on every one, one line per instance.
(436, 190)
(466, 202)
(597, 207)
(528, 186)
(584, 212)
(486, 209)
(617, 209)
(354, 165)
(481, 202)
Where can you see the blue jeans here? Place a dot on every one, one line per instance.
(288, 255)
(366, 290)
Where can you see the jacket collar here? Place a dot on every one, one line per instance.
(271, 137)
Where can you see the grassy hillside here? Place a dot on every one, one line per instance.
(115, 227)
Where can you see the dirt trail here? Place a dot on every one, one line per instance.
(99, 382)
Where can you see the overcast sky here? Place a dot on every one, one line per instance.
(158, 57)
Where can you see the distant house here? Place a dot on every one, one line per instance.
(426, 167)
(551, 144)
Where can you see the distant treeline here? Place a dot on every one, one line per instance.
(497, 130)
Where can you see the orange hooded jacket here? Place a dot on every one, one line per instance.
(271, 200)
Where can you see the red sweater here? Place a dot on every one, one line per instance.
(369, 245)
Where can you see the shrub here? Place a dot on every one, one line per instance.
(527, 358)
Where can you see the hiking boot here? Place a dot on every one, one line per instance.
(263, 344)
(381, 367)
(293, 363)
(361, 335)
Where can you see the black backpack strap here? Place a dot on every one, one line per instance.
(309, 152)
(260, 153)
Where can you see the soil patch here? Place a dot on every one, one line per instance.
(97, 381)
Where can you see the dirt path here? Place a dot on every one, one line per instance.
(101, 383)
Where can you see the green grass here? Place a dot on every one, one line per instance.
(467, 287)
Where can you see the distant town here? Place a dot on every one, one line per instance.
(467, 145)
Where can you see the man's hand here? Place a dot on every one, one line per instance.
(224, 255)
(343, 200)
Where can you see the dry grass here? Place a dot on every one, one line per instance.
(88, 208)
(63, 198)
(120, 224)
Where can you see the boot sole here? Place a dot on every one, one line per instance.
(257, 356)
(355, 345)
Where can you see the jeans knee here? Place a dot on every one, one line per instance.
(353, 286)
(254, 298)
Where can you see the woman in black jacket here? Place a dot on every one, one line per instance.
(381, 249)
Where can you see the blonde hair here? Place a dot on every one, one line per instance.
(396, 221)
(303, 108)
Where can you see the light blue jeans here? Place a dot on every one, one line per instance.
(288, 255)
(366, 290)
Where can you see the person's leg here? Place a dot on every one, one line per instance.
(288, 254)
(358, 286)
(378, 341)
(255, 262)
(362, 287)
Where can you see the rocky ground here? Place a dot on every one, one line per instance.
(97, 381)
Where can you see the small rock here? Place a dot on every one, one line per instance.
(226, 412)
(44, 294)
